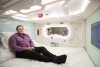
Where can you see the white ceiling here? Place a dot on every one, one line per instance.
(58, 9)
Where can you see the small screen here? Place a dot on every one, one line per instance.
(95, 34)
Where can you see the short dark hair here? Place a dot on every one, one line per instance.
(18, 26)
(48, 29)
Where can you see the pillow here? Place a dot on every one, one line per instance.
(5, 38)
(5, 55)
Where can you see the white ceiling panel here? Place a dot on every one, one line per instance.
(70, 9)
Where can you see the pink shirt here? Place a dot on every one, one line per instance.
(18, 43)
(50, 33)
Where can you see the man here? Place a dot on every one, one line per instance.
(23, 47)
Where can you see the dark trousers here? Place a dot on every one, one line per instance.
(40, 54)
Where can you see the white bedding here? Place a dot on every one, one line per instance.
(77, 57)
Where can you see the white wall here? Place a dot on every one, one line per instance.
(76, 39)
(93, 52)
(9, 25)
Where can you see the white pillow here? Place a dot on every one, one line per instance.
(5, 55)
(5, 38)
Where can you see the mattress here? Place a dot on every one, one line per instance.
(76, 57)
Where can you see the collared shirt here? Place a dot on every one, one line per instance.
(50, 33)
(19, 42)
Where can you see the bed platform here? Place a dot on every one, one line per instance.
(76, 57)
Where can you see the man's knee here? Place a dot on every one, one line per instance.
(43, 48)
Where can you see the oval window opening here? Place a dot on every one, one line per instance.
(61, 31)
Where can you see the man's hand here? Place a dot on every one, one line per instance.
(33, 48)
(30, 48)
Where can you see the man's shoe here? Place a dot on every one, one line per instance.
(60, 59)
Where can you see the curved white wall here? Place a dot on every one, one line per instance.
(93, 51)
(76, 38)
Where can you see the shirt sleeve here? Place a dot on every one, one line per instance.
(31, 42)
(13, 44)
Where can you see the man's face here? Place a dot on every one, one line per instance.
(20, 29)
(50, 30)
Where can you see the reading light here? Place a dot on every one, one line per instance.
(80, 8)
(7, 13)
(33, 8)
(52, 6)
(20, 15)
(10, 12)
(84, 6)
(47, 1)
(20, 18)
